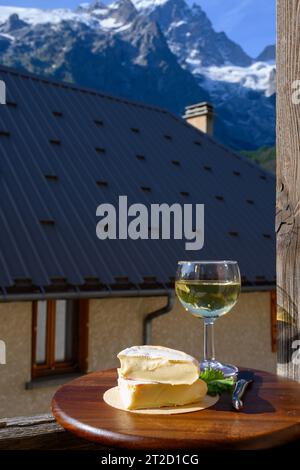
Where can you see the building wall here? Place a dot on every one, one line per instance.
(242, 337)
(15, 330)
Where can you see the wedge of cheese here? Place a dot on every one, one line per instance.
(158, 364)
(137, 395)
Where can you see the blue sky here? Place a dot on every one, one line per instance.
(251, 23)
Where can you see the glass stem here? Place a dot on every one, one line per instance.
(209, 345)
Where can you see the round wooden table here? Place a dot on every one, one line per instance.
(271, 417)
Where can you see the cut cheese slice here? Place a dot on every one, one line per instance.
(142, 395)
(158, 364)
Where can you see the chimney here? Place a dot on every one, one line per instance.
(201, 116)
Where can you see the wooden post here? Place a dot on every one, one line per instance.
(288, 187)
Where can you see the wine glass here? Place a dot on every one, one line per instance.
(208, 290)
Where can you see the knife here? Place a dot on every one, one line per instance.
(244, 378)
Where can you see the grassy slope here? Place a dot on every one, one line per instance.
(265, 156)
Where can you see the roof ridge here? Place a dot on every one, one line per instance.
(61, 83)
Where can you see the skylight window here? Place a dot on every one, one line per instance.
(102, 183)
(51, 177)
(100, 149)
(55, 142)
(47, 222)
(4, 134)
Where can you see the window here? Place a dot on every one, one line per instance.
(59, 337)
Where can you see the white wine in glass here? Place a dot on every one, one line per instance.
(208, 290)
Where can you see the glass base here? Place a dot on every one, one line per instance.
(228, 369)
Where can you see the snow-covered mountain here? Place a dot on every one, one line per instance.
(163, 52)
(240, 87)
(94, 15)
(191, 36)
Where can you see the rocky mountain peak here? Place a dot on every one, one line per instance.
(191, 35)
(268, 54)
(123, 9)
(90, 7)
(119, 12)
(13, 23)
(149, 4)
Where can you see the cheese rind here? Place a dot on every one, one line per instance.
(140, 395)
(158, 364)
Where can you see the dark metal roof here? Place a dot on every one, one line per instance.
(65, 150)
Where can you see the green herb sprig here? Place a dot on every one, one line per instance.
(216, 382)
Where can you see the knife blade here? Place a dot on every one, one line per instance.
(244, 378)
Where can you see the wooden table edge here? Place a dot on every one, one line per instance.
(114, 439)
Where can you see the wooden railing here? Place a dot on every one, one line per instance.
(39, 432)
